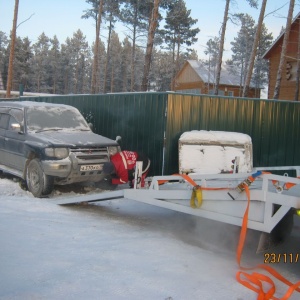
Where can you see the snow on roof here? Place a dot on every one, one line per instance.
(228, 76)
(219, 137)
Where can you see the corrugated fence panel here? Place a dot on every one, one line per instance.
(139, 118)
(280, 136)
(272, 125)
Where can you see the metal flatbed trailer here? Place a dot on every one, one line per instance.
(270, 199)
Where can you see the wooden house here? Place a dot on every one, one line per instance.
(194, 77)
(288, 79)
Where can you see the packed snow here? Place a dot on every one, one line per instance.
(120, 249)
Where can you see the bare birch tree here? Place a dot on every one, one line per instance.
(221, 49)
(254, 48)
(284, 49)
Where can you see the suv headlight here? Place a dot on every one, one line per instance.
(113, 150)
(57, 152)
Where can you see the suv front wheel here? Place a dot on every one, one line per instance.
(38, 183)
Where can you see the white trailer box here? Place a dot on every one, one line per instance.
(214, 152)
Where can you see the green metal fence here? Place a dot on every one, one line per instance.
(273, 125)
(153, 123)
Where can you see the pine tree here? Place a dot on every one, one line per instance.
(115, 64)
(178, 30)
(241, 52)
(3, 58)
(125, 67)
(55, 65)
(134, 15)
(78, 54)
(22, 71)
(212, 48)
(261, 66)
(242, 45)
(40, 64)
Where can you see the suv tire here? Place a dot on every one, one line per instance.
(38, 183)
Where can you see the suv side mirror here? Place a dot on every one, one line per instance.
(17, 127)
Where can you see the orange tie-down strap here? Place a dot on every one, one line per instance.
(286, 186)
(192, 182)
(255, 281)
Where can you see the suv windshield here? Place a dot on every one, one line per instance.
(55, 118)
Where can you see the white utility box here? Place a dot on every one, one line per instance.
(215, 152)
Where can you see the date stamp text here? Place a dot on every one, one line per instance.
(275, 258)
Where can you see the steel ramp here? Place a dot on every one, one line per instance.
(89, 198)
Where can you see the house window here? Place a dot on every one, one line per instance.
(220, 92)
(230, 93)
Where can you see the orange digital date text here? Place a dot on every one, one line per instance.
(275, 258)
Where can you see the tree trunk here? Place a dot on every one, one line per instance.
(254, 48)
(112, 77)
(284, 49)
(150, 41)
(96, 49)
(219, 65)
(132, 79)
(12, 51)
(107, 53)
(172, 85)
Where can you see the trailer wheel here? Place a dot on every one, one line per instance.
(38, 183)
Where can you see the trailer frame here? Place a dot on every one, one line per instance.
(175, 194)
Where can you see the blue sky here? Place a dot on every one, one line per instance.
(63, 17)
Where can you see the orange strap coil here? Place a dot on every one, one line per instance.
(255, 280)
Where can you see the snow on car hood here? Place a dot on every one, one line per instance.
(74, 138)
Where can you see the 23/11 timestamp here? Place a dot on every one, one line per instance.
(275, 258)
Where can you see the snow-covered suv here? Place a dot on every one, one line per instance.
(46, 144)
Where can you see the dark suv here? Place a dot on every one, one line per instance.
(47, 144)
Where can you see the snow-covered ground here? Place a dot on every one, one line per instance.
(121, 249)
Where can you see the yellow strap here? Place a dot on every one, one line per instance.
(196, 198)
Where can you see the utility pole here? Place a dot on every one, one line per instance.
(12, 51)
